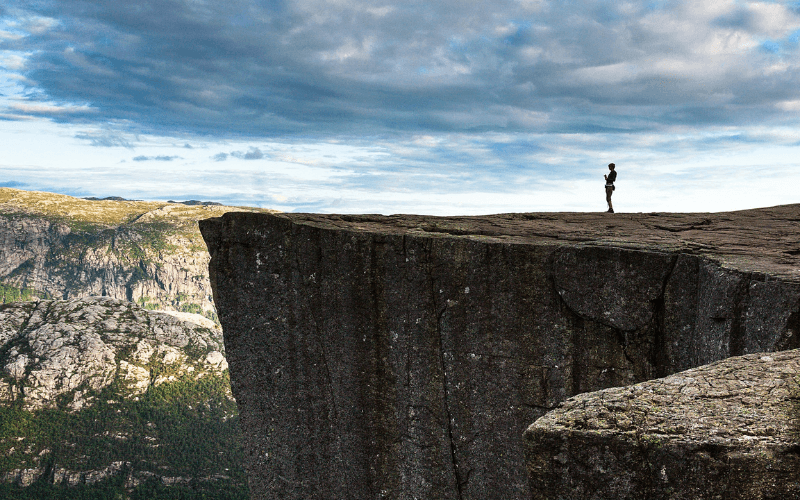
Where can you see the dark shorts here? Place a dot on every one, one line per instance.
(609, 191)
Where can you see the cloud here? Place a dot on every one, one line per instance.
(12, 184)
(252, 154)
(105, 139)
(47, 109)
(220, 157)
(156, 158)
(355, 68)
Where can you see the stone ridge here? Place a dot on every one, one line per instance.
(761, 240)
(730, 429)
(65, 359)
(403, 357)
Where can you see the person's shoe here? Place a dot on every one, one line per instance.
(610, 210)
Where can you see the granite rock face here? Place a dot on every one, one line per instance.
(728, 430)
(403, 357)
(68, 348)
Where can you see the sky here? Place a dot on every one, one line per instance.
(441, 107)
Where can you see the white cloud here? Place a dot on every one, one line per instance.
(37, 25)
(13, 62)
(7, 35)
(351, 49)
(381, 11)
(793, 105)
(608, 74)
(773, 20)
(48, 108)
(339, 102)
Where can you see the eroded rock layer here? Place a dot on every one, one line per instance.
(728, 430)
(404, 356)
(67, 348)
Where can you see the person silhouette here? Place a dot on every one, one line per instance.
(610, 178)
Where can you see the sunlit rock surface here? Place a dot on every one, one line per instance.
(51, 349)
(95, 387)
(62, 247)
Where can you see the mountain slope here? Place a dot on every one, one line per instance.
(151, 253)
(103, 397)
(98, 389)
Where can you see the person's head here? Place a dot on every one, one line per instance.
(611, 166)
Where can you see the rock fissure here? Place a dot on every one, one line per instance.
(737, 328)
(448, 414)
(440, 309)
(656, 355)
(791, 336)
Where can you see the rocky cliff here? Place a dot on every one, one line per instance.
(61, 247)
(98, 393)
(404, 356)
(95, 388)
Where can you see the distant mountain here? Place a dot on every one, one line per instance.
(150, 253)
(101, 396)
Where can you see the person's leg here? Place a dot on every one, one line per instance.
(609, 191)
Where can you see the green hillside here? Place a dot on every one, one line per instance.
(106, 397)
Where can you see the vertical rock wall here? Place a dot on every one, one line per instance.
(397, 364)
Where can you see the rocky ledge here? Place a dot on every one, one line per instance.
(403, 357)
(728, 430)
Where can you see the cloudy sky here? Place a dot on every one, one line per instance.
(417, 106)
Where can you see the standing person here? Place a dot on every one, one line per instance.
(610, 178)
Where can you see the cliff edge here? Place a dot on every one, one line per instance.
(404, 356)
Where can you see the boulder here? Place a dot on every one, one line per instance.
(728, 430)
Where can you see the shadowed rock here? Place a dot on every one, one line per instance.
(403, 357)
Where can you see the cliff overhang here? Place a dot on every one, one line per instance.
(404, 356)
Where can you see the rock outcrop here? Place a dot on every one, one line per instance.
(96, 387)
(404, 356)
(51, 350)
(62, 247)
(728, 430)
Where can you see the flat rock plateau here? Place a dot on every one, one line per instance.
(404, 356)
